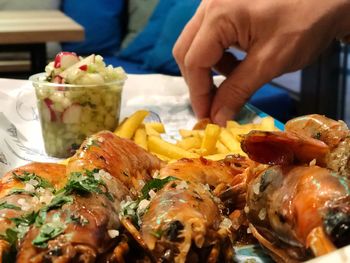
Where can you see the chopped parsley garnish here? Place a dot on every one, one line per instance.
(48, 232)
(80, 183)
(22, 226)
(78, 219)
(21, 191)
(91, 142)
(5, 205)
(26, 177)
(155, 184)
(11, 235)
(84, 183)
(157, 233)
(57, 202)
(26, 219)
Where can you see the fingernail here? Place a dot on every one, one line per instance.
(223, 115)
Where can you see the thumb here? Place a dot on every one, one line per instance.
(239, 86)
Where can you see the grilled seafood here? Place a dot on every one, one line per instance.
(81, 221)
(23, 191)
(333, 133)
(293, 208)
(283, 148)
(183, 223)
(226, 177)
(120, 157)
(306, 138)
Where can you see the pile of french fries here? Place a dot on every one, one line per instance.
(205, 139)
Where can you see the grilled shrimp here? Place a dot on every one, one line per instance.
(333, 133)
(293, 208)
(306, 138)
(122, 158)
(23, 191)
(283, 148)
(83, 223)
(183, 223)
(226, 177)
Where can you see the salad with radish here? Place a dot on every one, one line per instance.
(76, 98)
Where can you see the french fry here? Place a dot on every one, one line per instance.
(190, 142)
(229, 141)
(129, 126)
(140, 138)
(232, 124)
(201, 124)
(205, 139)
(221, 148)
(211, 135)
(268, 124)
(150, 131)
(216, 157)
(187, 133)
(64, 162)
(157, 126)
(162, 157)
(159, 146)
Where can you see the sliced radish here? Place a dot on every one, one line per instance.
(86, 61)
(72, 114)
(83, 67)
(57, 79)
(65, 60)
(48, 112)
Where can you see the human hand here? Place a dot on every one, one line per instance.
(278, 36)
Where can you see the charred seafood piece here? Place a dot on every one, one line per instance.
(79, 224)
(226, 178)
(307, 138)
(23, 192)
(121, 158)
(298, 212)
(283, 148)
(183, 223)
(78, 218)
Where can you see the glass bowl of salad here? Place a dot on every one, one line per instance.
(76, 97)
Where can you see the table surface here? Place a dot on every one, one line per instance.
(19, 27)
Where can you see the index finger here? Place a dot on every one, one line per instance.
(205, 51)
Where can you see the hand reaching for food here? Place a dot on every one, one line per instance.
(278, 37)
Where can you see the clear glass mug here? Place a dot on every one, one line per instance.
(69, 113)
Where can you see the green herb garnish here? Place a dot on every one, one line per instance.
(26, 177)
(157, 233)
(78, 219)
(26, 219)
(84, 183)
(10, 236)
(4, 205)
(155, 184)
(21, 191)
(48, 232)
